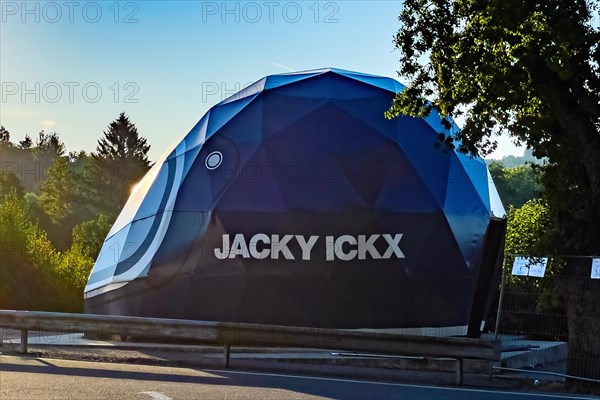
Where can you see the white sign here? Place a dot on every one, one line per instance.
(537, 268)
(596, 268)
(520, 267)
(530, 266)
(345, 247)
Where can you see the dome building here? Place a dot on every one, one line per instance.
(296, 202)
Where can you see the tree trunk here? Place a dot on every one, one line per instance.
(582, 298)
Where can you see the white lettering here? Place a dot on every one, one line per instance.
(306, 246)
(223, 253)
(367, 246)
(238, 247)
(339, 251)
(280, 246)
(344, 247)
(394, 246)
(329, 248)
(259, 237)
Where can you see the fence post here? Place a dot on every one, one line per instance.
(226, 351)
(24, 337)
(459, 371)
(500, 300)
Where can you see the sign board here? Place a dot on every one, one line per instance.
(530, 266)
(595, 268)
(520, 267)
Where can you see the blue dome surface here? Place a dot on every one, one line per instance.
(295, 201)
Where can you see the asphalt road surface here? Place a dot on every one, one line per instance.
(38, 378)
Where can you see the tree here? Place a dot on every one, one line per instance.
(57, 191)
(4, 137)
(516, 161)
(49, 145)
(14, 266)
(10, 182)
(26, 143)
(121, 157)
(28, 259)
(516, 185)
(532, 305)
(67, 198)
(528, 228)
(528, 69)
(89, 235)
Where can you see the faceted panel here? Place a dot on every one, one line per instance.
(248, 91)
(221, 115)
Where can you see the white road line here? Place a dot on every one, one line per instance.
(157, 395)
(538, 394)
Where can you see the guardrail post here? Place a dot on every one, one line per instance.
(459, 371)
(226, 352)
(24, 338)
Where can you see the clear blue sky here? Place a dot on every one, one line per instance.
(165, 63)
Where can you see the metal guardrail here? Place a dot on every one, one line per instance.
(241, 334)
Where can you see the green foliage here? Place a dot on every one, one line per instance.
(35, 275)
(122, 142)
(530, 231)
(9, 182)
(51, 236)
(14, 226)
(57, 191)
(528, 228)
(31, 161)
(516, 185)
(13, 234)
(27, 260)
(70, 196)
(528, 69)
(94, 197)
(516, 161)
(89, 236)
(503, 64)
(74, 268)
(49, 145)
(4, 137)
(26, 143)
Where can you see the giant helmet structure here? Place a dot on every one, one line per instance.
(296, 202)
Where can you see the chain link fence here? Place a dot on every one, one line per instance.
(548, 316)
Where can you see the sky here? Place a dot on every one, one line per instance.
(71, 67)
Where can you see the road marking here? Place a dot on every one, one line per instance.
(536, 394)
(157, 395)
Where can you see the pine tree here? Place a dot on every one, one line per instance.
(121, 158)
(49, 145)
(26, 143)
(57, 191)
(122, 142)
(5, 136)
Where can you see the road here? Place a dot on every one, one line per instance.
(40, 379)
